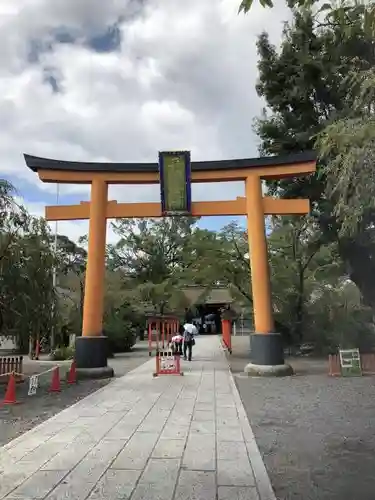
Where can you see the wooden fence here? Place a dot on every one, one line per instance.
(10, 364)
(367, 364)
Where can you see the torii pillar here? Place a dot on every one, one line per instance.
(267, 352)
(91, 347)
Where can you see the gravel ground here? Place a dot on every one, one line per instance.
(32, 410)
(316, 433)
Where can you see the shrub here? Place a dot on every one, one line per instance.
(63, 353)
(122, 335)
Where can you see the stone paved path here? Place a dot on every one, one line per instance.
(138, 438)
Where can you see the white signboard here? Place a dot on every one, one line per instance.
(33, 385)
(168, 363)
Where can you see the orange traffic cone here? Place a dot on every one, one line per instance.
(10, 395)
(55, 383)
(72, 375)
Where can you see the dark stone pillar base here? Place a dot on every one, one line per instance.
(267, 356)
(91, 358)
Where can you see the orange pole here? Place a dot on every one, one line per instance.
(167, 332)
(260, 274)
(158, 327)
(95, 269)
(149, 337)
(163, 333)
(170, 330)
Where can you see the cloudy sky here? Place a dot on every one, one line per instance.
(119, 80)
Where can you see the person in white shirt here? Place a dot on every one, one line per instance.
(189, 332)
(176, 344)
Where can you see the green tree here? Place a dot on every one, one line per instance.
(71, 258)
(152, 256)
(222, 258)
(306, 88)
(348, 146)
(27, 296)
(300, 268)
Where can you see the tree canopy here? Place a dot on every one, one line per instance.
(313, 101)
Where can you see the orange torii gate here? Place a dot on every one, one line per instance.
(266, 345)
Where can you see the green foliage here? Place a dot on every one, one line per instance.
(348, 145)
(311, 95)
(27, 294)
(152, 257)
(222, 258)
(63, 353)
(121, 333)
(336, 318)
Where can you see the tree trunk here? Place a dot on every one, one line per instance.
(299, 307)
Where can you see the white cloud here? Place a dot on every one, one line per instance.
(183, 78)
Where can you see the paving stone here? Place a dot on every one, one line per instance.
(237, 493)
(235, 473)
(229, 413)
(149, 491)
(227, 422)
(188, 394)
(39, 484)
(208, 399)
(22, 448)
(231, 450)
(225, 403)
(200, 452)
(247, 431)
(92, 412)
(69, 489)
(262, 479)
(203, 427)
(184, 409)
(68, 458)
(230, 434)
(203, 416)
(10, 481)
(205, 407)
(169, 448)
(180, 420)
(196, 485)
(97, 461)
(115, 485)
(136, 452)
(162, 471)
(67, 435)
(154, 422)
(121, 431)
(43, 453)
(175, 432)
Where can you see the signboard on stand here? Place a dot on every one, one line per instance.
(350, 361)
(167, 363)
(175, 182)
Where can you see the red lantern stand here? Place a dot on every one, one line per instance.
(161, 329)
(226, 328)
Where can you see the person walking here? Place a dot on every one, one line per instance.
(189, 341)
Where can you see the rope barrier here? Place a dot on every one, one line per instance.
(34, 381)
(28, 376)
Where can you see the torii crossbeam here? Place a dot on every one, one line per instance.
(266, 346)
